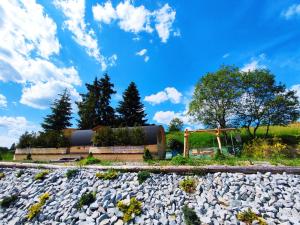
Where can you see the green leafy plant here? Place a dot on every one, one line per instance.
(147, 155)
(188, 185)
(109, 175)
(248, 216)
(72, 173)
(175, 144)
(90, 160)
(86, 199)
(36, 208)
(28, 156)
(2, 175)
(20, 173)
(190, 216)
(7, 201)
(143, 176)
(133, 207)
(104, 136)
(179, 160)
(41, 175)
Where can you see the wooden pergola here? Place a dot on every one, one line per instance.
(216, 131)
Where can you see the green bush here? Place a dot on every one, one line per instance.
(109, 175)
(7, 201)
(134, 207)
(2, 175)
(72, 173)
(90, 160)
(36, 208)
(122, 137)
(1, 157)
(190, 216)
(20, 173)
(86, 199)
(104, 137)
(248, 216)
(265, 148)
(188, 185)
(174, 144)
(143, 176)
(41, 175)
(147, 155)
(179, 160)
(28, 156)
(137, 136)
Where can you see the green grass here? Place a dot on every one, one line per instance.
(6, 155)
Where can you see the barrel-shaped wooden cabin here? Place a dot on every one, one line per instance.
(81, 145)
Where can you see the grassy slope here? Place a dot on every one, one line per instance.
(289, 134)
(7, 155)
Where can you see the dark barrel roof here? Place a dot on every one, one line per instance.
(84, 137)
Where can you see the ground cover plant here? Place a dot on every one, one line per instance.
(143, 176)
(90, 160)
(41, 175)
(86, 199)
(36, 208)
(109, 175)
(190, 216)
(248, 216)
(2, 175)
(188, 185)
(72, 173)
(133, 207)
(19, 173)
(7, 201)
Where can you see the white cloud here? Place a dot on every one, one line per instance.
(164, 117)
(170, 93)
(41, 95)
(11, 128)
(296, 88)
(104, 13)
(293, 10)
(137, 19)
(255, 63)
(74, 11)
(146, 59)
(226, 55)
(3, 101)
(29, 42)
(177, 33)
(164, 18)
(142, 52)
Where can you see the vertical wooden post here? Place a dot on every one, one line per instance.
(186, 143)
(219, 140)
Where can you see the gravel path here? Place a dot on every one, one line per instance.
(217, 200)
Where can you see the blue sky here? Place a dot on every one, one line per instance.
(163, 46)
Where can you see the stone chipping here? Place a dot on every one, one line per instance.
(217, 200)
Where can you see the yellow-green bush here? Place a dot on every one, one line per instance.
(36, 208)
(41, 175)
(248, 216)
(188, 185)
(134, 207)
(109, 175)
(264, 148)
(2, 175)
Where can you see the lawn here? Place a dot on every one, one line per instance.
(6, 155)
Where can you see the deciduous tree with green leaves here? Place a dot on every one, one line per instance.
(176, 124)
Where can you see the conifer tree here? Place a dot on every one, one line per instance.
(131, 110)
(60, 116)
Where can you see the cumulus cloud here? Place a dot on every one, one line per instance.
(143, 53)
(169, 93)
(11, 128)
(3, 101)
(74, 11)
(255, 63)
(28, 46)
(293, 10)
(137, 19)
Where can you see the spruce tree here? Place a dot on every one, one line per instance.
(131, 110)
(60, 116)
(95, 109)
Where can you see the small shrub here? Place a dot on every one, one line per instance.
(41, 175)
(28, 157)
(179, 160)
(188, 185)
(109, 175)
(90, 160)
(143, 176)
(174, 144)
(190, 216)
(36, 208)
(147, 155)
(72, 173)
(134, 207)
(248, 216)
(20, 173)
(2, 175)
(86, 199)
(104, 136)
(137, 136)
(7, 201)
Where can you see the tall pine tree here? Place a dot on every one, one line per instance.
(131, 110)
(95, 109)
(60, 116)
